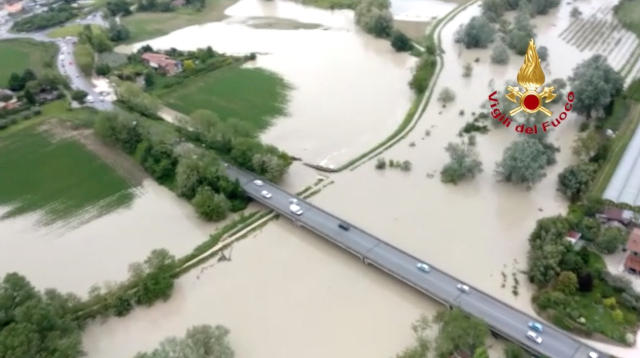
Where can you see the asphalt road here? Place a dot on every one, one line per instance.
(65, 62)
(503, 319)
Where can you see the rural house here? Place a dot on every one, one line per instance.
(632, 262)
(622, 216)
(162, 63)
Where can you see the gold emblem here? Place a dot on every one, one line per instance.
(531, 78)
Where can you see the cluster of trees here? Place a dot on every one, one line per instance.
(31, 85)
(98, 40)
(202, 341)
(463, 163)
(232, 140)
(53, 16)
(494, 9)
(198, 175)
(458, 333)
(598, 85)
(423, 73)
(148, 282)
(477, 33)
(136, 99)
(119, 7)
(118, 32)
(37, 324)
(563, 273)
(524, 161)
(374, 17)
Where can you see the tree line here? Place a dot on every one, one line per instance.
(53, 16)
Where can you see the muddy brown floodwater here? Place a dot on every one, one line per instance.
(287, 293)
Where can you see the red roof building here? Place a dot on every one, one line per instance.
(162, 63)
(632, 262)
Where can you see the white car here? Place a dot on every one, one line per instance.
(423, 267)
(258, 182)
(534, 337)
(266, 194)
(89, 99)
(462, 287)
(296, 209)
(593, 355)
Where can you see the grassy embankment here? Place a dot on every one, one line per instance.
(20, 54)
(623, 120)
(147, 25)
(70, 30)
(253, 96)
(58, 177)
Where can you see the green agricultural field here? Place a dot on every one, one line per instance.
(16, 55)
(252, 95)
(147, 25)
(71, 30)
(628, 12)
(59, 178)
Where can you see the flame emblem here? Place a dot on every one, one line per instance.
(531, 78)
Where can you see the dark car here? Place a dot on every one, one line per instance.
(344, 226)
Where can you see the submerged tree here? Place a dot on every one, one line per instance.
(202, 341)
(477, 33)
(596, 84)
(463, 163)
(524, 161)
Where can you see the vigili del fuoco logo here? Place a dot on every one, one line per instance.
(529, 100)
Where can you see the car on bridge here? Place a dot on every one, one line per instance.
(258, 182)
(266, 194)
(534, 337)
(463, 288)
(294, 207)
(423, 267)
(535, 326)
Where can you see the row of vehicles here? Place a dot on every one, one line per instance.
(535, 329)
(425, 268)
(294, 207)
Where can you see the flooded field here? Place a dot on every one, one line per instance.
(74, 259)
(349, 89)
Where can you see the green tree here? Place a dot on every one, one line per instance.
(79, 96)
(136, 99)
(29, 97)
(595, 83)
(543, 53)
(33, 324)
(542, 7)
(149, 79)
(103, 69)
(188, 65)
(463, 163)
(16, 83)
(493, 9)
(567, 283)
(459, 331)
(610, 239)
(423, 73)
(585, 146)
(524, 161)
(193, 172)
(499, 54)
(202, 341)
(209, 205)
(467, 70)
(521, 30)
(547, 247)
(400, 42)
(477, 33)
(574, 180)
(446, 95)
(374, 17)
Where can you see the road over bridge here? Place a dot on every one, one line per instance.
(502, 318)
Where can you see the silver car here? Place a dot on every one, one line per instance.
(266, 194)
(463, 288)
(534, 337)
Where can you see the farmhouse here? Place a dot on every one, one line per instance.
(162, 63)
